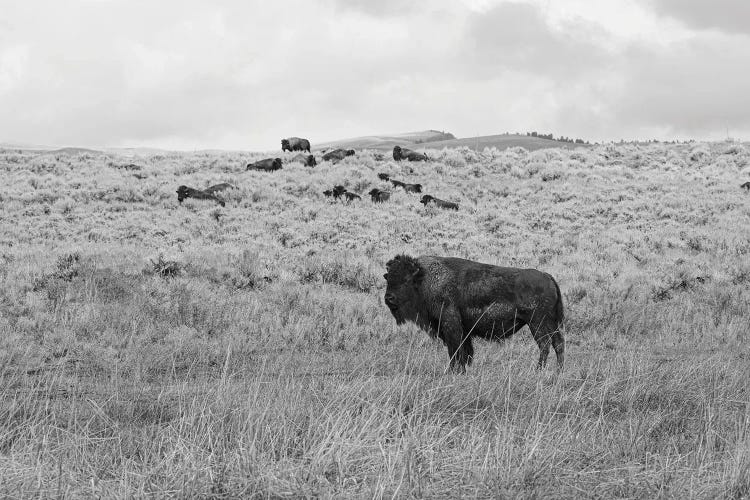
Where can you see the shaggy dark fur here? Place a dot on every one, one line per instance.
(328, 193)
(456, 299)
(400, 153)
(306, 160)
(295, 144)
(437, 201)
(379, 196)
(217, 188)
(384, 177)
(267, 165)
(188, 192)
(337, 155)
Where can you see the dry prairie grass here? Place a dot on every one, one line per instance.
(153, 349)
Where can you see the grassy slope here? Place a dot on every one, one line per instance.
(435, 140)
(270, 365)
(384, 141)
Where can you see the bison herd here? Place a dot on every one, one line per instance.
(338, 192)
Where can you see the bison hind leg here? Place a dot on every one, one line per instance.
(558, 344)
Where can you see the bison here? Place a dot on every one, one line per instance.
(379, 196)
(267, 165)
(217, 188)
(746, 185)
(457, 299)
(400, 153)
(306, 160)
(409, 188)
(438, 202)
(328, 193)
(384, 177)
(295, 144)
(339, 191)
(337, 155)
(188, 192)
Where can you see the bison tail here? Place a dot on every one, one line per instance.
(559, 310)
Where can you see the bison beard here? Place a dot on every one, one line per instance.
(456, 299)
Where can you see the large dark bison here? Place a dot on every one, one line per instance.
(409, 188)
(267, 165)
(306, 160)
(337, 155)
(188, 192)
(295, 144)
(456, 299)
(438, 202)
(400, 153)
(746, 185)
(379, 196)
(217, 188)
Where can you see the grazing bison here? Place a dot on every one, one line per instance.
(456, 299)
(339, 191)
(384, 177)
(188, 192)
(746, 185)
(337, 155)
(379, 196)
(295, 144)
(267, 165)
(409, 188)
(306, 160)
(217, 188)
(400, 153)
(437, 201)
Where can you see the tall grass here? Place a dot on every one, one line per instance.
(149, 348)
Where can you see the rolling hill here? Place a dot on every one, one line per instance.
(431, 139)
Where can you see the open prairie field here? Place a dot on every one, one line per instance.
(150, 348)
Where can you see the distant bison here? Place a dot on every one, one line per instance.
(438, 202)
(337, 155)
(456, 299)
(268, 165)
(339, 191)
(409, 188)
(379, 196)
(384, 177)
(746, 185)
(328, 193)
(295, 144)
(400, 153)
(217, 188)
(188, 192)
(306, 160)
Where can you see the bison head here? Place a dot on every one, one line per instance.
(426, 199)
(277, 163)
(397, 153)
(285, 145)
(402, 295)
(350, 152)
(417, 188)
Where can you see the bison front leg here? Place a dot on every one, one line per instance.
(460, 350)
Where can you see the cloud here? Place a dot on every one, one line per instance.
(517, 36)
(729, 16)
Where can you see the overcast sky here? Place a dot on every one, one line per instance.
(185, 74)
